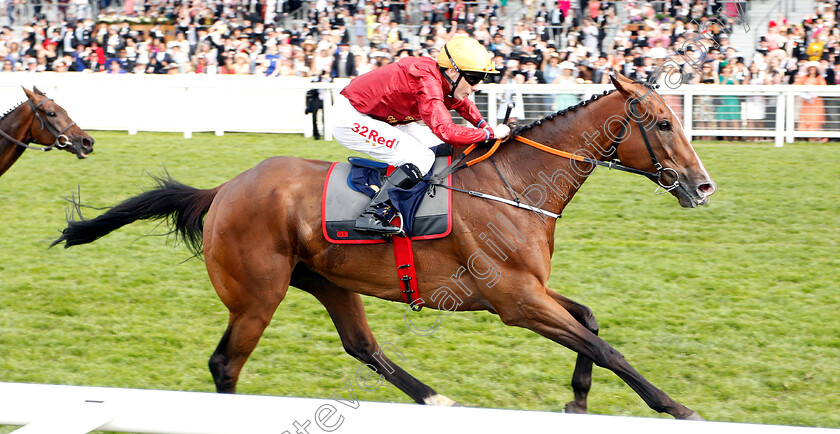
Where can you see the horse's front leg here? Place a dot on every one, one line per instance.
(536, 310)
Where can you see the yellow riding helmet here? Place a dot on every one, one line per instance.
(468, 55)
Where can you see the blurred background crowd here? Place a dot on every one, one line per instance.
(760, 42)
(538, 41)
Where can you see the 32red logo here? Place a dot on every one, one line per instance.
(374, 136)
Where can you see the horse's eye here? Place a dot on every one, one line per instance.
(51, 114)
(665, 126)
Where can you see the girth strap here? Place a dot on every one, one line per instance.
(407, 275)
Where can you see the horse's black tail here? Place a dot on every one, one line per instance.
(182, 206)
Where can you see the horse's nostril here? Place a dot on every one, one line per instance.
(706, 188)
(87, 142)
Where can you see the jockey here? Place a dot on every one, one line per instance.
(377, 112)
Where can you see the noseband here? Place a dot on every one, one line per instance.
(58, 134)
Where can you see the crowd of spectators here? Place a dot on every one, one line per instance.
(557, 41)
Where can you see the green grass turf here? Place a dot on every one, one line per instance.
(732, 309)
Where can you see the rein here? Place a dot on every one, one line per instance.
(436, 181)
(515, 203)
(44, 125)
(657, 176)
(456, 165)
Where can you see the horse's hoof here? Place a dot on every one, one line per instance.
(693, 416)
(571, 407)
(439, 400)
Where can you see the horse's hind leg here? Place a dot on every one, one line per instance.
(582, 376)
(348, 315)
(237, 343)
(252, 293)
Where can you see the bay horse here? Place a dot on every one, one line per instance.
(54, 129)
(261, 233)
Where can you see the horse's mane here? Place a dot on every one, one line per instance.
(11, 110)
(574, 107)
(647, 84)
(571, 108)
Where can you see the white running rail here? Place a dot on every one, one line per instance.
(53, 409)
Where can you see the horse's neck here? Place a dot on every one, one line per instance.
(550, 181)
(9, 151)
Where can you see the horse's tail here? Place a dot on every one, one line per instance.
(182, 206)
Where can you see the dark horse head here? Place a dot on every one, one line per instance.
(52, 127)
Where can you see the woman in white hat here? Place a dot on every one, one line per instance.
(566, 76)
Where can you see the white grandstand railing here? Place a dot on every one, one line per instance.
(224, 103)
(52, 409)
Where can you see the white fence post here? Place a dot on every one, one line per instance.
(688, 116)
(781, 119)
(790, 116)
(133, 113)
(219, 129)
(188, 114)
(492, 105)
(329, 115)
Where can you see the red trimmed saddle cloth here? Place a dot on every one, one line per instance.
(342, 204)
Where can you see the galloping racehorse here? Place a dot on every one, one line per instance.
(54, 129)
(261, 233)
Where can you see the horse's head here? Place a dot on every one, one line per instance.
(52, 126)
(661, 141)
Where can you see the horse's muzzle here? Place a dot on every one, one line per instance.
(81, 147)
(691, 195)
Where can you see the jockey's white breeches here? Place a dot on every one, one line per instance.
(393, 144)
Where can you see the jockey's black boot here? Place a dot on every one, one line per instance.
(404, 177)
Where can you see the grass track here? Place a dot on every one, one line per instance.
(732, 309)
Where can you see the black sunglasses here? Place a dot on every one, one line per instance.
(473, 78)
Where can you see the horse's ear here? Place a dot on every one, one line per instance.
(29, 93)
(38, 91)
(621, 83)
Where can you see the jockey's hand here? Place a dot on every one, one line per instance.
(501, 132)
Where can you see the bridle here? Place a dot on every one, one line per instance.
(58, 134)
(657, 177)
(456, 165)
(613, 164)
